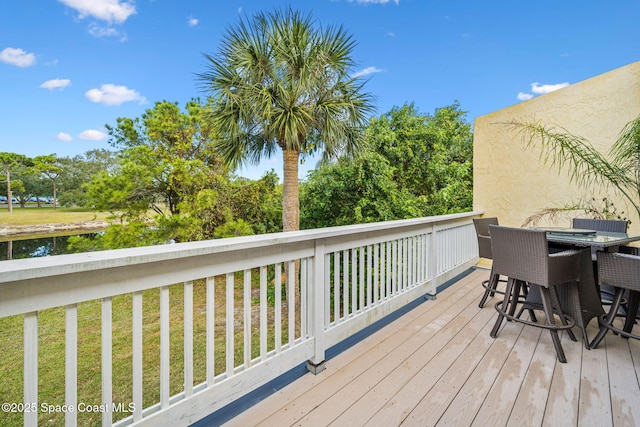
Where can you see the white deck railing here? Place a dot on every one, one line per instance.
(231, 305)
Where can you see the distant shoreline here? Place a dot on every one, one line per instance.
(7, 230)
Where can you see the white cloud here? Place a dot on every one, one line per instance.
(114, 95)
(56, 84)
(92, 135)
(64, 137)
(524, 96)
(105, 10)
(17, 57)
(542, 89)
(98, 31)
(367, 71)
(192, 22)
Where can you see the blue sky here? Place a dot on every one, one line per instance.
(68, 67)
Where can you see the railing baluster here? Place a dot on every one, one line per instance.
(404, 264)
(369, 276)
(230, 324)
(188, 338)
(361, 273)
(136, 323)
(247, 318)
(31, 368)
(263, 312)
(414, 259)
(345, 283)
(336, 286)
(395, 266)
(291, 297)
(423, 258)
(211, 330)
(107, 374)
(71, 364)
(165, 361)
(354, 278)
(387, 264)
(278, 308)
(377, 292)
(304, 292)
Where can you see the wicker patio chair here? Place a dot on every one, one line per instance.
(620, 270)
(633, 297)
(484, 251)
(522, 255)
(610, 225)
(607, 225)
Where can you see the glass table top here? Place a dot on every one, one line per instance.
(580, 237)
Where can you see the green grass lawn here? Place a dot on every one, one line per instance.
(48, 215)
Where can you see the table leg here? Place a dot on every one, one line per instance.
(632, 311)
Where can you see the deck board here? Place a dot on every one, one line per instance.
(437, 365)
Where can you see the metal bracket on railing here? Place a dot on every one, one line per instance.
(315, 369)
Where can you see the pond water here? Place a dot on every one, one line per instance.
(24, 247)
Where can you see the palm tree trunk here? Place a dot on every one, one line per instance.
(290, 198)
(291, 217)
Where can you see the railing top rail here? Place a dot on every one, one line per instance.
(31, 268)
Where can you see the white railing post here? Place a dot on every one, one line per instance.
(317, 309)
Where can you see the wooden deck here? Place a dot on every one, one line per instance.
(437, 365)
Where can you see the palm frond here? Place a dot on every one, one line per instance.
(597, 208)
(585, 165)
(626, 153)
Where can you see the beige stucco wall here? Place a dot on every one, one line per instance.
(512, 182)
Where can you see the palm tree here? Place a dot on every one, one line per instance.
(619, 169)
(278, 81)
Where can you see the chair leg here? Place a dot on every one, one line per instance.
(515, 296)
(502, 307)
(532, 314)
(606, 321)
(548, 311)
(492, 285)
(555, 302)
(632, 311)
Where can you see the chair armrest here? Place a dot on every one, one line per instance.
(631, 250)
(566, 253)
(565, 266)
(621, 270)
(484, 246)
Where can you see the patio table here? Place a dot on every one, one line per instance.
(582, 300)
(600, 240)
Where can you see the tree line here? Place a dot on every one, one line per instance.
(163, 179)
